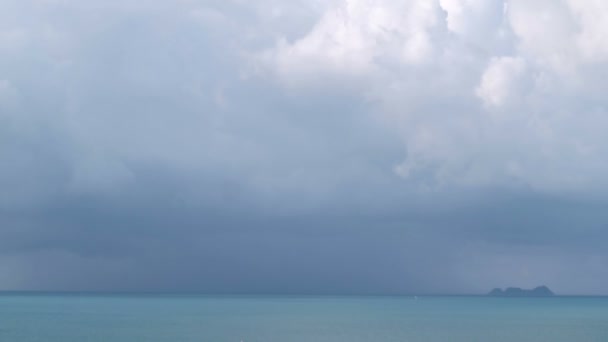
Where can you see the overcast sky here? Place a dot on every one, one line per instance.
(300, 146)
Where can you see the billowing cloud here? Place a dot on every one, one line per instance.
(484, 92)
(339, 146)
(500, 82)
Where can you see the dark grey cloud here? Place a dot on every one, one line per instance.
(297, 148)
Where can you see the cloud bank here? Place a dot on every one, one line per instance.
(346, 146)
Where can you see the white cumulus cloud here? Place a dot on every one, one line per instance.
(482, 92)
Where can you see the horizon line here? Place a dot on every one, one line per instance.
(266, 294)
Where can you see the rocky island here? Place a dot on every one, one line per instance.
(541, 291)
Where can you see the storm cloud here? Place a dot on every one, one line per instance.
(347, 146)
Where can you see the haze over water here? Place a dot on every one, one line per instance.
(175, 318)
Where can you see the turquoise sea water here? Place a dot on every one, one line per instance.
(82, 318)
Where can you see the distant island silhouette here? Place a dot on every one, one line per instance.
(541, 291)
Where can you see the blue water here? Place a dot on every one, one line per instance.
(66, 318)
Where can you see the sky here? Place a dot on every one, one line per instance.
(303, 146)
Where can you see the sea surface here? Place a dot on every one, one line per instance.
(132, 318)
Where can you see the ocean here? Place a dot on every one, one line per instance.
(131, 318)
